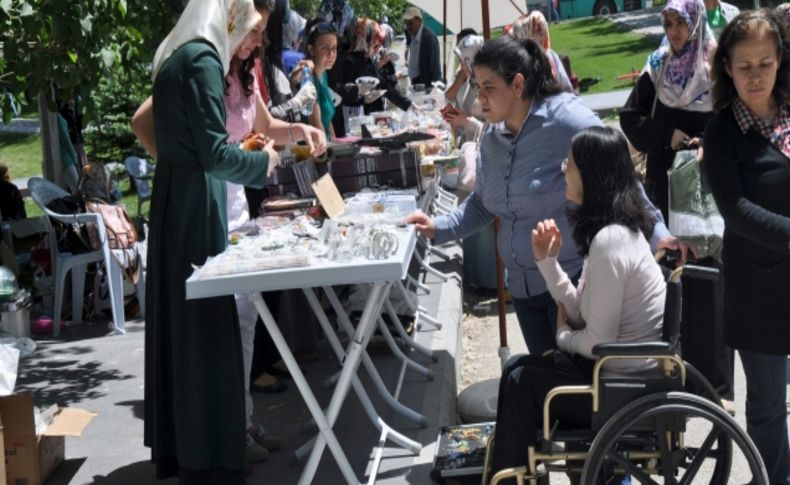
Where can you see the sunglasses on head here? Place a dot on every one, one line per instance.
(322, 28)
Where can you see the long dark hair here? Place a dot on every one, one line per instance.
(273, 52)
(742, 27)
(317, 27)
(244, 72)
(507, 57)
(609, 186)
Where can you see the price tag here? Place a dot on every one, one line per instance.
(329, 197)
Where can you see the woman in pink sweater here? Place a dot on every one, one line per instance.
(619, 297)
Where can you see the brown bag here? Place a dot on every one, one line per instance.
(121, 233)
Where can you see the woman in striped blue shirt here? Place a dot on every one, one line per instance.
(530, 124)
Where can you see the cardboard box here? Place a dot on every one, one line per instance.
(31, 458)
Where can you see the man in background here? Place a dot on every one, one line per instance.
(423, 50)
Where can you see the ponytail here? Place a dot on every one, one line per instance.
(507, 57)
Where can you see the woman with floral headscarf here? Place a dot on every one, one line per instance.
(535, 27)
(194, 389)
(362, 61)
(670, 104)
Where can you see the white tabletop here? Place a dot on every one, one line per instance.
(320, 273)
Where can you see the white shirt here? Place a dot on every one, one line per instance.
(620, 296)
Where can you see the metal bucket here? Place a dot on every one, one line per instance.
(16, 323)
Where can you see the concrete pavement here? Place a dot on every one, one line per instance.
(104, 374)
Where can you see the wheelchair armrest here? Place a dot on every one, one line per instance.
(519, 473)
(647, 349)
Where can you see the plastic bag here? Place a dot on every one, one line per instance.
(693, 215)
(9, 360)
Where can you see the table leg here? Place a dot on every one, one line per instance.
(324, 427)
(353, 356)
(396, 406)
(358, 388)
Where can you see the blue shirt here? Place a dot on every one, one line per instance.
(414, 56)
(520, 180)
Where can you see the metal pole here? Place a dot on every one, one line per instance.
(500, 283)
(444, 37)
(486, 21)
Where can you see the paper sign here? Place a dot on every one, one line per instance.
(329, 197)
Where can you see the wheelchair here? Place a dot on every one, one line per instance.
(639, 423)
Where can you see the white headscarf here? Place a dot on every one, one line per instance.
(223, 23)
(467, 48)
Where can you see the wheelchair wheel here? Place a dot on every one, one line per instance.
(653, 424)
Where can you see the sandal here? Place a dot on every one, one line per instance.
(267, 383)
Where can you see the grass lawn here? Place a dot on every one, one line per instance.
(21, 153)
(600, 48)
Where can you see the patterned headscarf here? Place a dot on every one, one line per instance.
(336, 12)
(368, 33)
(293, 26)
(783, 11)
(534, 27)
(223, 23)
(682, 79)
(468, 48)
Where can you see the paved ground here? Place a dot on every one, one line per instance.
(104, 374)
(646, 22)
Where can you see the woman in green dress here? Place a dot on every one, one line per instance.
(194, 404)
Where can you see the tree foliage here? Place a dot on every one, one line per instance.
(64, 48)
(101, 51)
(393, 9)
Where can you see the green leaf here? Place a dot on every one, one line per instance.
(87, 24)
(5, 5)
(122, 7)
(73, 56)
(26, 10)
(107, 57)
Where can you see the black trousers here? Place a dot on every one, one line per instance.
(526, 379)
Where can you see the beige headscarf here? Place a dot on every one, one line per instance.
(532, 26)
(223, 23)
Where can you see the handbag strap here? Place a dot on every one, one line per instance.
(660, 77)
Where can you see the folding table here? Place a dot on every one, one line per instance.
(379, 274)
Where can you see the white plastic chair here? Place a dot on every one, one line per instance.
(142, 172)
(43, 192)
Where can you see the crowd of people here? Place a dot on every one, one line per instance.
(578, 229)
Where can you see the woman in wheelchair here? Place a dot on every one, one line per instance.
(619, 298)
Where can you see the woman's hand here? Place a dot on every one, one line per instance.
(456, 119)
(274, 157)
(546, 240)
(696, 142)
(423, 223)
(675, 244)
(296, 74)
(315, 138)
(678, 140)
